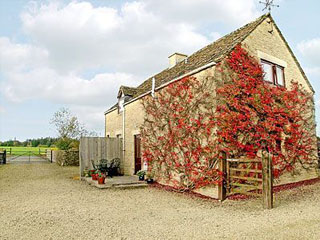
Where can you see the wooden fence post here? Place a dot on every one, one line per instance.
(267, 182)
(222, 191)
(5, 156)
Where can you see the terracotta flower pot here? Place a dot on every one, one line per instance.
(91, 172)
(101, 180)
(94, 176)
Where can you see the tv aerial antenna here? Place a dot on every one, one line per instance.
(268, 5)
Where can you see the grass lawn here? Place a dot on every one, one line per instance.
(25, 150)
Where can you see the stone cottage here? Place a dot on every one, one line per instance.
(262, 39)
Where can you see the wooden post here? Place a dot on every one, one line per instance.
(222, 193)
(4, 156)
(267, 182)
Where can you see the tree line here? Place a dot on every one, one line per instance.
(35, 142)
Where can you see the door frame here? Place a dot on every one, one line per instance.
(137, 153)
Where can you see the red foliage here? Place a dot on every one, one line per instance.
(254, 115)
(184, 134)
(177, 134)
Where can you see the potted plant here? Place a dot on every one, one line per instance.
(94, 175)
(101, 178)
(141, 174)
(149, 177)
(91, 172)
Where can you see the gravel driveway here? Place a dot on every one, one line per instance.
(42, 201)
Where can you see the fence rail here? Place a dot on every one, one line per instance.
(249, 177)
(21, 150)
(243, 176)
(97, 148)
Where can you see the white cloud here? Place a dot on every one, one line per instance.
(46, 84)
(126, 44)
(136, 38)
(131, 39)
(91, 116)
(310, 49)
(235, 12)
(17, 57)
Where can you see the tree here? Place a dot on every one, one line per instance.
(69, 129)
(67, 125)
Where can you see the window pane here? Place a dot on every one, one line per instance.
(267, 68)
(280, 76)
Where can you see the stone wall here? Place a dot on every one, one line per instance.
(67, 157)
(134, 116)
(261, 43)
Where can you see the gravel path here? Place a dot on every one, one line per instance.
(42, 201)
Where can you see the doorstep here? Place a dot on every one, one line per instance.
(122, 182)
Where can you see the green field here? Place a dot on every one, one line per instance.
(25, 150)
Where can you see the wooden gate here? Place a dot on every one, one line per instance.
(248, 177)
(244, 176)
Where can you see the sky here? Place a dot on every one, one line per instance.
(76, 54)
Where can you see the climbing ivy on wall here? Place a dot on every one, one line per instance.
(254, 115)
(192, 122)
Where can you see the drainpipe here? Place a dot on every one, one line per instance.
(153, 86)
(123, 134)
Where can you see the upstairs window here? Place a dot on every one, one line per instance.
(273, 73)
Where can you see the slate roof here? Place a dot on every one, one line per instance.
(214, 52)
(128, 91)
